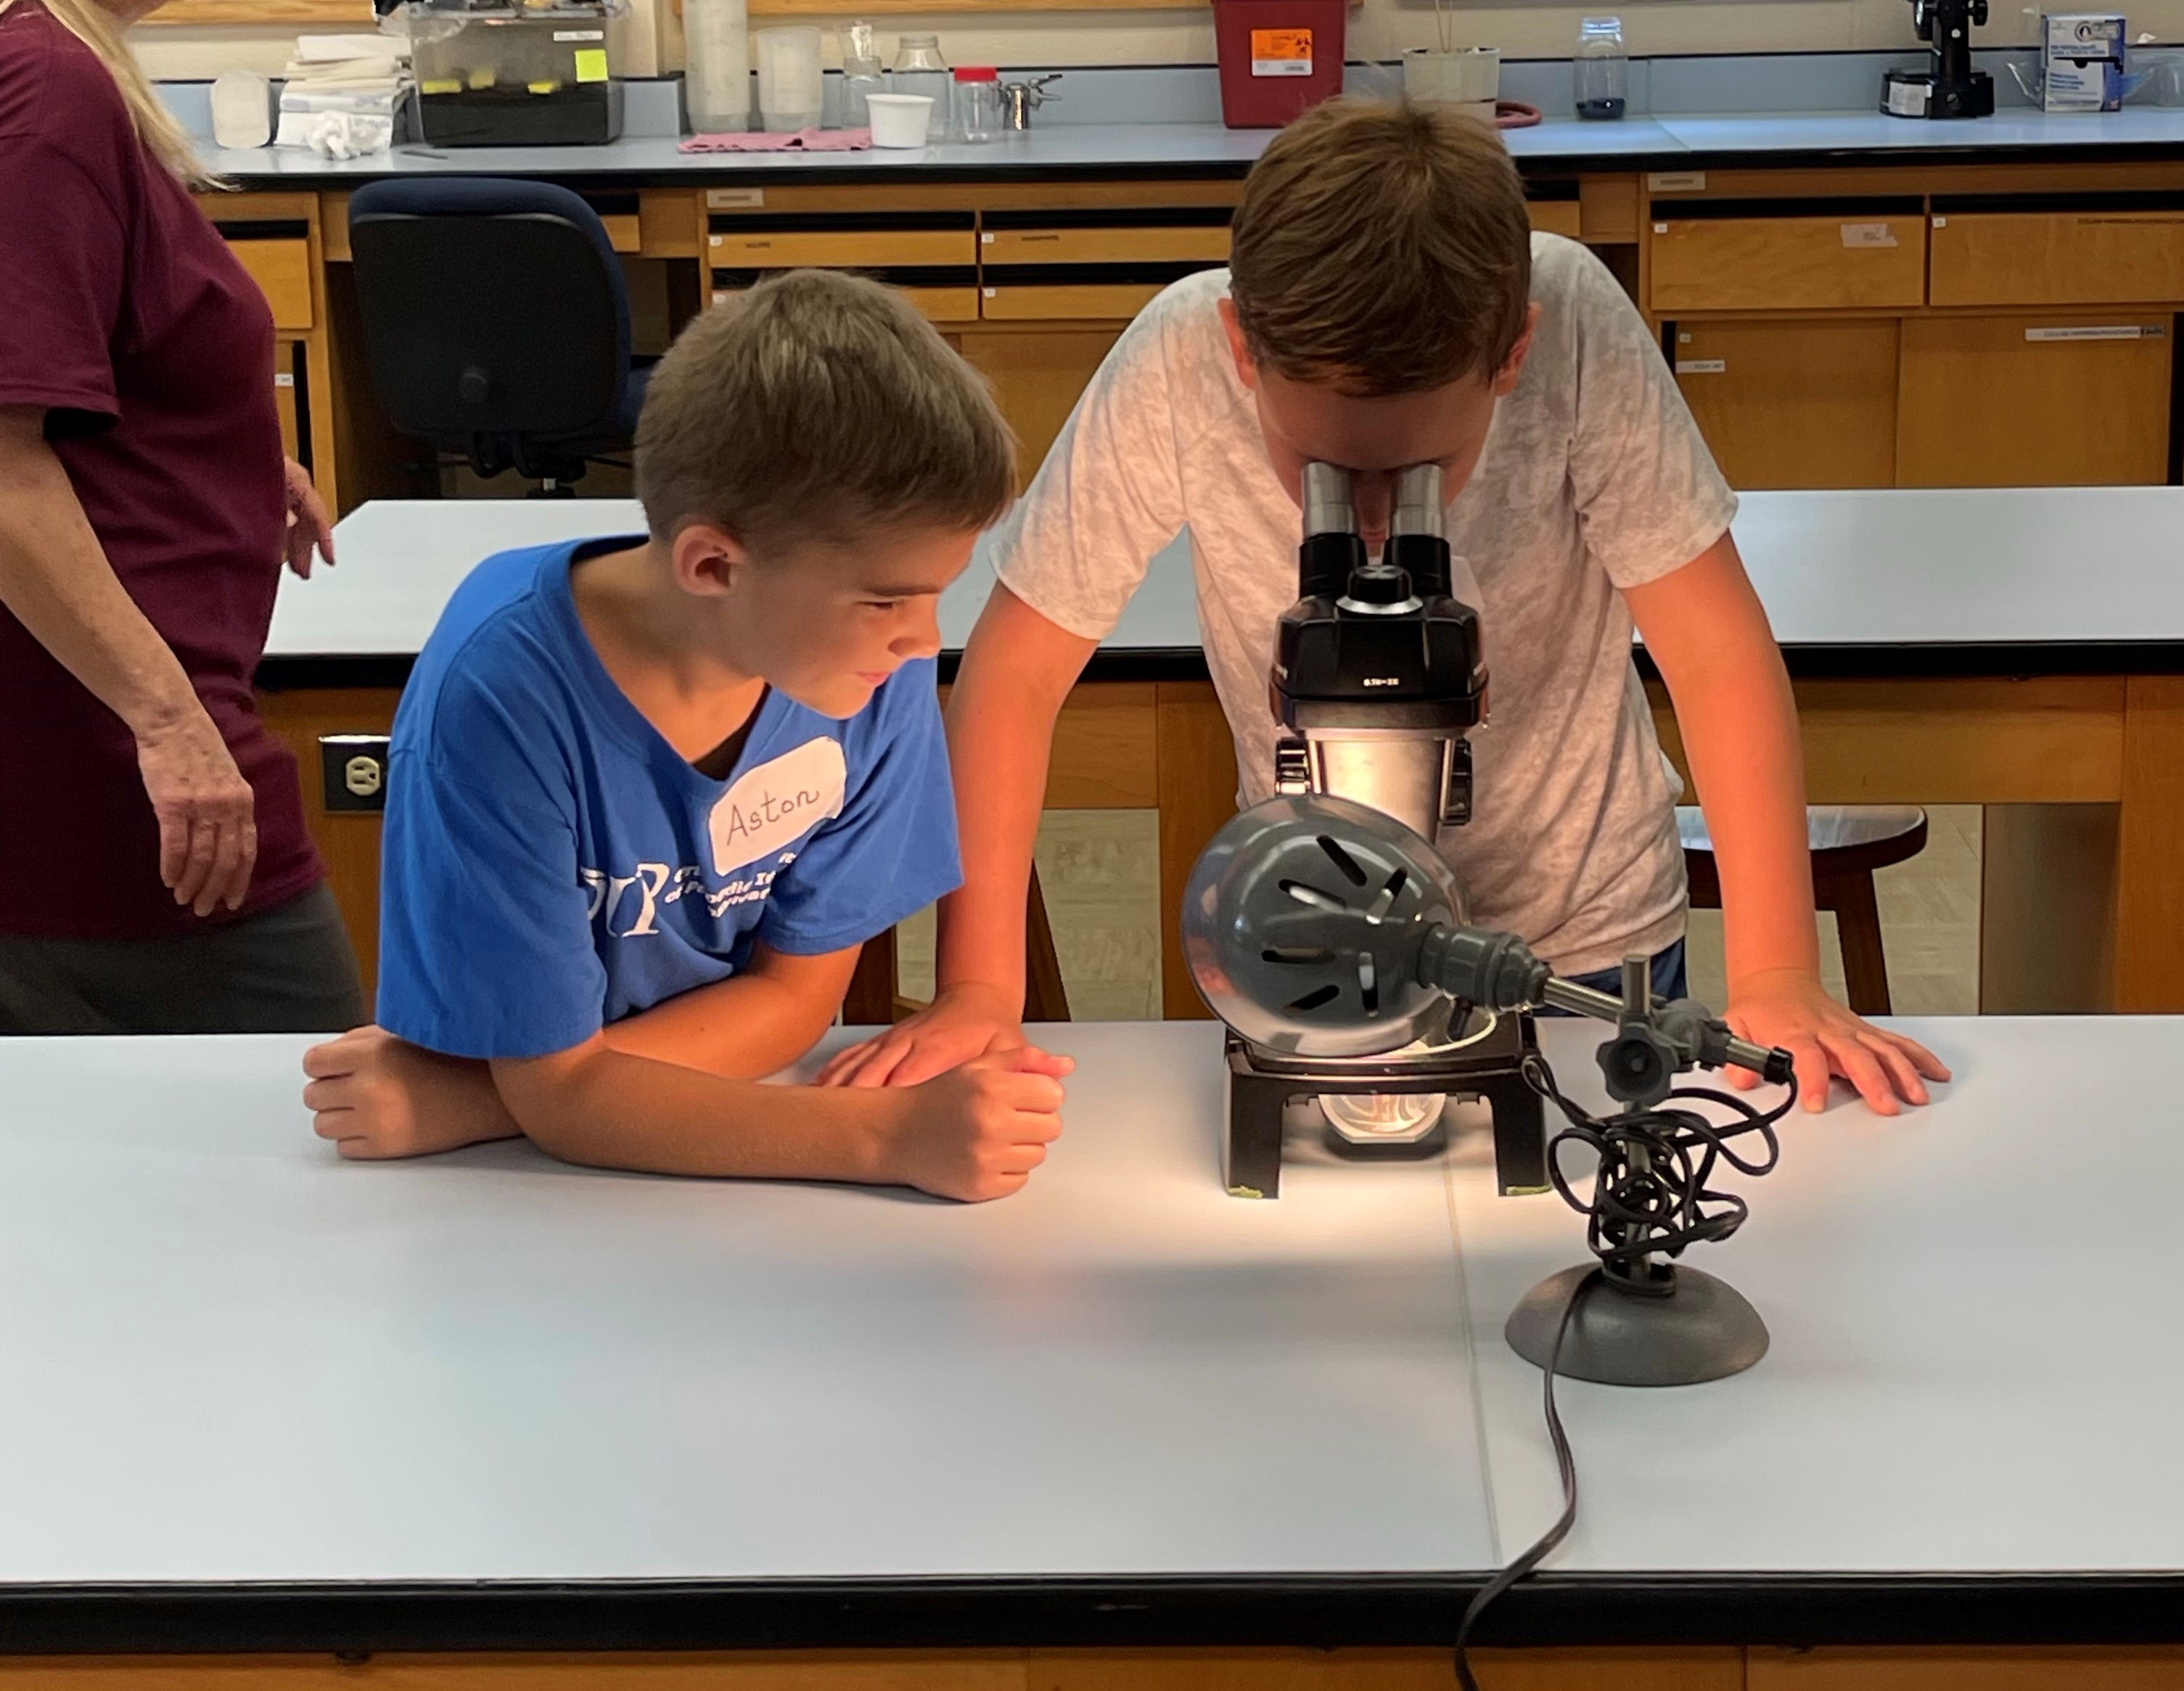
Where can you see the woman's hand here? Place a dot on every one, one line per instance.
(309, 529)
(207, 812)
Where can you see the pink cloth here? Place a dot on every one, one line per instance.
(803, 141)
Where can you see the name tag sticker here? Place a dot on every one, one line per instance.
(1281, 53)
(771, 807)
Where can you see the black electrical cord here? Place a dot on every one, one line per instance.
(1650, 1198)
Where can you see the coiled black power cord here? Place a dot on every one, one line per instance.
(1650, 1198)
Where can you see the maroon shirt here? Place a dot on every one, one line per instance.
(125, 315)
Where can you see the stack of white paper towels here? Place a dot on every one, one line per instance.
(342, 93)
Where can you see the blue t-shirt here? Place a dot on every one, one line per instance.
(551, 865)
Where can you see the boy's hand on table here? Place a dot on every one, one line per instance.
(375, 1096)
(960, 1024)
(1791, 1009)
(978, 1131)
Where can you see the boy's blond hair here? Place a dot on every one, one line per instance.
(819, 407)
(1383, 247)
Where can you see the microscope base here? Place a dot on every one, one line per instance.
(1705, 1329)
(1929, 94)
(1261, 1082)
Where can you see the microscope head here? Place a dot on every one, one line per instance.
(1378, 674)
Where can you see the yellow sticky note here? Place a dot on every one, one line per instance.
(590, 64)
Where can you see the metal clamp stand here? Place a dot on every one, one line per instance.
(1649, 1321)
(1262, 1082)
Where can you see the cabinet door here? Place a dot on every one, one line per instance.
(1037, 375)
(2030, 402)
(1794, 404)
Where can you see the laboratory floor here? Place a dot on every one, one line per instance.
(1100, 872)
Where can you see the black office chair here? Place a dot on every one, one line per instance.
(496, 322)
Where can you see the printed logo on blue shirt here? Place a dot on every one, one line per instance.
(765, 811)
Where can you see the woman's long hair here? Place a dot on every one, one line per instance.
(155, 125)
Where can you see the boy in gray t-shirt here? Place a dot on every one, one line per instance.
(1387, 306)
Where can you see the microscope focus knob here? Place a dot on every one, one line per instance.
(1379, 587)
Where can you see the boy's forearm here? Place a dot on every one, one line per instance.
(742, 1029)
(608, 1109)
(1739, 722)
(1017, 669)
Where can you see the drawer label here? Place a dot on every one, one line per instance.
(733, 199)
(1676, 182)
(282, 378)
(1281, 53)
(1869, 235)
(1701, 366)
(2098, 332)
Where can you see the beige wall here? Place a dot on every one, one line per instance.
(1380, 28)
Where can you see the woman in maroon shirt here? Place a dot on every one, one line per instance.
(155, 872)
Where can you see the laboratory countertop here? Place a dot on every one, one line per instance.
(1184, 150)
(1967, 580)
(258, 1398)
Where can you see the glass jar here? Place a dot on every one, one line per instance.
(1602, 68)
(919, 68)
(977, 103)
(862, 75)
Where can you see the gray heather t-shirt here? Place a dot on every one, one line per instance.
(1593, 478)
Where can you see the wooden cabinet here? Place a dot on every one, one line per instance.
(1037, 375)
(1791, 404)
(347, 840)
(1780, 264)
(284, 397)
(2058, 258)
(280, 265)
(1065, 265)
(1556, 217)
(2022, 401)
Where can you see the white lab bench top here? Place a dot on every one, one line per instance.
(2046, 568)
(228, 1358)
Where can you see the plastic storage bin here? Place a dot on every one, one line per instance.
(1278, 58)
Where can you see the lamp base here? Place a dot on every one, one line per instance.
(1706, 1329)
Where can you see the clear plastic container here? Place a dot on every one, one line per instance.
(862, 75)
(919, 68)
(1601, 69)
(717, 85)
(977, 103)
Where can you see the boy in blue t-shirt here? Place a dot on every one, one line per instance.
(651, 795)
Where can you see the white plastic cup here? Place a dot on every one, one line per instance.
(790, 84)
(900, 119)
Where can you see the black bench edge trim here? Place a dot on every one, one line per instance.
(1316, 1611)
(1187, 663)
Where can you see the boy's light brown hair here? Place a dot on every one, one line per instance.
(1384, 248)
(819, 407)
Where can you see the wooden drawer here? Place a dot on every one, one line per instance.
(939, 305)
(625, 232)
(284, 395)
(1556, 217)
(1794, 402)
(281, 268)
(1080, 301)
(842, 249)
(2027, 402)
(1773, 263)
(2058, 257)
(1104, 246)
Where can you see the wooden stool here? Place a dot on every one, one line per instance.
(872, 1000)
(1848, 843)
